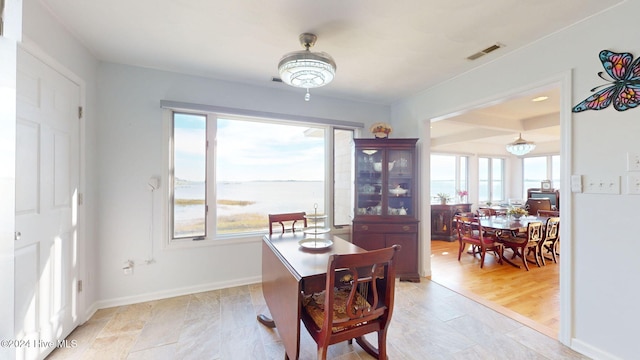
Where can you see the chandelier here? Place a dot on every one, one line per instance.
(520, 146)
(306, 69)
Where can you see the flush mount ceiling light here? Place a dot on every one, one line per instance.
(520, 146)
(306, 69)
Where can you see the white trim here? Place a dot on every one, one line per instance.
(187, 290)
(567, 298)
(564, 80)
(183, 106)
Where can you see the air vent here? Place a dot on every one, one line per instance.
(484, 52)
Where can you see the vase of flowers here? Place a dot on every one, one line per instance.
(462, 194)
(517, 212)
(443, 198)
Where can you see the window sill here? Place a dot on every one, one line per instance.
(219, 241)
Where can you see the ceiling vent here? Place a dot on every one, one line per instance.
(484, 52)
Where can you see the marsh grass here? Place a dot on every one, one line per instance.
(235, 202)
(227, 224)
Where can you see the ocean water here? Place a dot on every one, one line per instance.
(266, 197)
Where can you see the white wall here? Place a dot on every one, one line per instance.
(131, 149)
(601, 292)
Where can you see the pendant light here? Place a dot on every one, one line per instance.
(306, 69)
(520, 146)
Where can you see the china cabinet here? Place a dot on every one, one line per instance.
(386, 200)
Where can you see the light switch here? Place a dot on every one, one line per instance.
(633, 184)
(633, 161)
(576, 183)
(601, 184)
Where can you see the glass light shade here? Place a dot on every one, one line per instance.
(520, 146)
(306, 69)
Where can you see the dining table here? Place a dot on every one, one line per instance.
(510, 223)
(291, 267)
(506, 223)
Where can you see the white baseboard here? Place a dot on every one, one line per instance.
(590, 351)
(128, 300)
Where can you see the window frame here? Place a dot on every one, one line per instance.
(459, 175)
(213, 238)
(490, 180)
(549, 165)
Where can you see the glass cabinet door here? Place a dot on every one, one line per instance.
(369, 182)
(400, 182)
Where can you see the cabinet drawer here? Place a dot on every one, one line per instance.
(387, 228)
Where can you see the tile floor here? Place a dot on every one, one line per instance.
(429, 322)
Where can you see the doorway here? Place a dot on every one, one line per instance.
(47, 185)
(483, 132)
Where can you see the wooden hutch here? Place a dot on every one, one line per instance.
(386, 201)
(442, 225)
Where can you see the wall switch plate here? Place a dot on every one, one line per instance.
(605, 184)
(576, 183)
(633, 161)
(633, 184)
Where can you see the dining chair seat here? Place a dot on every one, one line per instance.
(357, 300)
(314, 305)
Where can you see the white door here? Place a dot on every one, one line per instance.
(47, 180)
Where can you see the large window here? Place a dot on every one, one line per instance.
(535, 169)
(491, 179)
(449, 174)
(229, 173)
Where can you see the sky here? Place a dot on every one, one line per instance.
(249, 150)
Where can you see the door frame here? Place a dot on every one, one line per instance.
(567, 297)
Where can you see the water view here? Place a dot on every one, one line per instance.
(244, 205)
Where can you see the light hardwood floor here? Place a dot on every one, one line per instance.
(531, 297)
(429, 322)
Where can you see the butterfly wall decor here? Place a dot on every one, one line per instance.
(624, 90)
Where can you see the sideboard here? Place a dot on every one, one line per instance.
(442, 225)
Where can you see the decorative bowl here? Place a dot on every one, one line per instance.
(378, 166)
(398, 191)
(381, 130)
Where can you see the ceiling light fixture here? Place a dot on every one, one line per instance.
(306, 69)
(520, 146)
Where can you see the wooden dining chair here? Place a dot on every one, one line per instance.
(548, 213)
(286, 218)
(357, 300)
(522, 246)
(471, 232)
(550, 240)
(534, 205)
(486, 212)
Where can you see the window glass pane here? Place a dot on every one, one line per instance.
(464, 170)
(483, 179)
(264, 167)
(497, 181)
(443, 175)
(343, 165)
(555, 171)
(534, 170)
(189, 180)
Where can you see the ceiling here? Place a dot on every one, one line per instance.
(384, 50)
